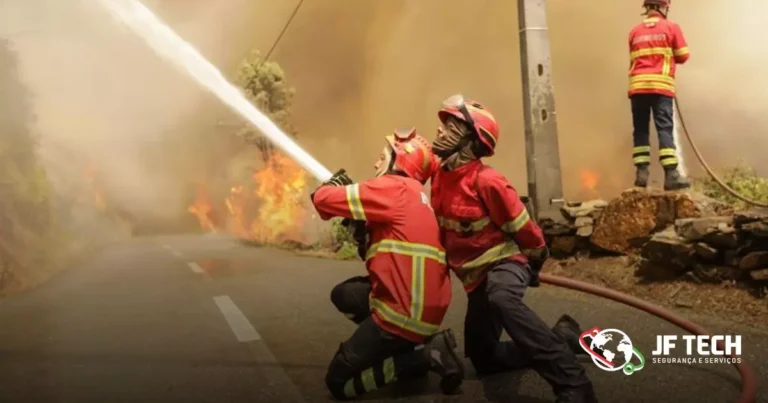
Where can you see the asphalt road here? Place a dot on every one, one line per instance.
(205, 319)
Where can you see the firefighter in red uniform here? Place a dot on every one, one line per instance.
(497, 251)
(656, 47)
(400, 306)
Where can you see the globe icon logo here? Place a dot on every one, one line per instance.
(612, 350)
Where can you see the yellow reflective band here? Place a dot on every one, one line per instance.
(355, 205)
(515, 225)
(652, 77)
(389, 370)
(406, 249)
(402, 321)
(669, 161)
(369, 382)
(349, 388)
(498, 252)
(641, 149)
(682, 51)
(650, 52)
(667, 64)
(651, 86)
(641, 159)
(417, 287)
(667, 152)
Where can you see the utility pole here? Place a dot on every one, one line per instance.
(545, 185)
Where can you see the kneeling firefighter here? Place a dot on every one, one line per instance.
(497, 251)
(400, 305)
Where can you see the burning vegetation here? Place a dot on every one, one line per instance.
(270, 209)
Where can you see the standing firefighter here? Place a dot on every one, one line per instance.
(399, 307)
(497, 251)
(656, 47)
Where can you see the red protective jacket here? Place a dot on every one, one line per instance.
(482, 221)
(656, 46)
(411, 283)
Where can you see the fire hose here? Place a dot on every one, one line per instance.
(704, 164)
(748, 378)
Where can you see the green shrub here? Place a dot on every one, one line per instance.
(343, 241)
(741, 178)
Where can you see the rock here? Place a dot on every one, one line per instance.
(707, 252)
(731, 258)
(583, 221)
(556, 227)
(669, 250)
(585, 232)
(563, 246)
(725, 238)
(695, 229)
(744, 217)
(584, 209)
(757, 228)
(759, 275)
(638, 213)
(707, 274)
(754, 260)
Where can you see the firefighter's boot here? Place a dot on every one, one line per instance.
(569, 331)
(641, 176)
(582, 394)
(674, 181)
(440, 350)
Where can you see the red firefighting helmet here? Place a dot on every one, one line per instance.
(476, 116)
(663, 3)
(412, 154)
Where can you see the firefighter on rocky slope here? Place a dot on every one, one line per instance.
(497, 251)
(400, 305)
(656, 47)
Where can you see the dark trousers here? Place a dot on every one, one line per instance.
(662, 107)
(372, 357)
(496, 305)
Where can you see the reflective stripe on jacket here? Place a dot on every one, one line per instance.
(411, 285)
(656, 47)
(482, 221)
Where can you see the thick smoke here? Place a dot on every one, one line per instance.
(364, 68)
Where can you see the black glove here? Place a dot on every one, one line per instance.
(340, 178)
(536, 261)
(359, 234)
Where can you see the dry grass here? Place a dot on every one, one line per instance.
(724, 301)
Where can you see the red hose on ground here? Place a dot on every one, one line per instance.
(748, 382)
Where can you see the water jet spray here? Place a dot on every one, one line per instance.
(166, 43)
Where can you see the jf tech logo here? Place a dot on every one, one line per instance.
(611, 350)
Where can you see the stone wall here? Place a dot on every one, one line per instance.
(681, 233)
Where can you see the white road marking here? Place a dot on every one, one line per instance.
(176, 253)
(195, 267)
(239, 324)
(269, 366)
(167, 247)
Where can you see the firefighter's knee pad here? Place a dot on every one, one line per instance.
(339, 372)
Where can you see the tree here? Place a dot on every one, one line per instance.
(25, 205)
(263, 83)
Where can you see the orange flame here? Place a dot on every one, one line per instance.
(269, 211)
(280, 190)
(203, 209)
(589, 180)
